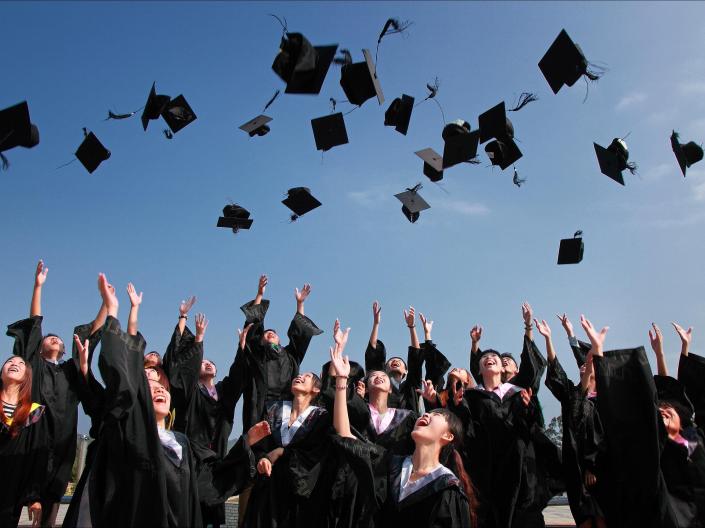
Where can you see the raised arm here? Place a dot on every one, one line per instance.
(656, 339)
(475, 336)
(341, 421)
(302, 329)
(262, 285)
(301, 297)
(184, 309)
(376, 318)
(255, 312)
(135, 301)
(545, 331)
(597, 339)
(686, 337)
(580, 349)
(410, 318)
(528, 314)
(40, 277)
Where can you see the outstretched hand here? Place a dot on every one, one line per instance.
(543, 328)
(427, 325)
(476, 334)
(685, 335)
(242, 335)
(567, 325)
(376, 312)
(107, 293)
(82, 354)
(340, 337)
(302, 294)
(596, 338)
(527, 313)
(428, 392)
(40, 276)
(201, 325)
(656, 339)
(186, 305)
(262, 285)
(257, 432)
(339, 362)
(135, 300)
(410, 317)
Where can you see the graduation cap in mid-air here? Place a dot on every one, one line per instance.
(235, 218)
(91, 152)
(432, 164)
(412, 203)
(302, 66)
(460, 143)
(495, 125)
(503, 152)
(178, 114)
(571, 249)
(16, 130)
(300, 201)
(614, 159)
(398, 114)
(564, 63)
(686, 154)
(257, 126)
(359, 81)
(329, 131)
(154, 106)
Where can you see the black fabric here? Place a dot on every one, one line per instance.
(691, 373)
(396, 438)
(131, 482)
(253, 361)
(583, 446)
(404, 396)
(56, 387)
(441, 503)
(437, 365)
(292, 495)
(26, 464)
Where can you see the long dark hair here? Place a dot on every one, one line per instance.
(24, 402)
(450, 457)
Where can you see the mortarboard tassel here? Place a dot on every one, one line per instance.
(345, 59)
(416, 188)
(524, 99)
(284, 24)
(432, 92)
(5, 161)
(168, 133)
(269, 103)
(112, 115)
(391, 26)
(516, 179)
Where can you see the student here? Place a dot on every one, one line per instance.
(56, 386)
(24, 445)
(416, 490)
(583, 443)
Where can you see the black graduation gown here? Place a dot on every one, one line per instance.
(436, 363)
(691, 374)
(293, 495)
(499, 456)
(254, 360)
(634, 487)
(131, 481)
(56, 387)
(25, 463)
(396, 438)
(404, 396)
(583, 443)
(442, 503)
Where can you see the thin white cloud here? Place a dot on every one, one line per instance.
(659, 171)
(464, 208)
(697, 179)
(631, 100)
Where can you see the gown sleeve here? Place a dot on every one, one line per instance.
(557, 381)
(231, 386)
(255, 314)
(182, 362)
(222, 479)
(453, 510)
(375, 358)
(300, 332)
(369, 462)
(691, 373)
(28, 337)
(475, 366)
(531, 366)
(91, 393)
(437, 365)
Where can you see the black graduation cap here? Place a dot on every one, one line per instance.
(671, 392)
(359, 81)
(460, 143)
(329, 131)
(686, 154)
(178, 114)
(494, 123)
(503, 152)
(16, 129)
(571, 249)
(235, 217)
(432, 164)
(300, 65)
(300, 201)
(398, 114)
(614, 159)
(412, 203)
(257, 126)
(91, 152)
(154, 106)
(564, 63)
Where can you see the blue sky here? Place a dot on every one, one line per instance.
(148, 214)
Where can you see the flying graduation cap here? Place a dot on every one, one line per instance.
(398, 114)
(257, 126)
(564, 63)
(359, 81)
(235, 218)
(432, 164)
(614, 159)
(571, 249)
(302, 66)
(412, 203)
(300, 201)
(16, 130)
(329, 131)
(494, 124)
(460, 143)
(687, 154)
(177, 113)
(91, 152)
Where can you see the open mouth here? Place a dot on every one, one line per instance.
(378, 381)
(13, 369)
(298, 379)
(159, 399)
(423, 421)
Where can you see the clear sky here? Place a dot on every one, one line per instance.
(148, 214)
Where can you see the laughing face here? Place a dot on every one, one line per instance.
(306, 383)
(153, 359)
(161, 399)
(14, 370)
(491, 363)
(378, 380)
(396, 366)
(431, 428)
(52, 347)
(270, 337)
(459, 374)
(208, 369)
(670, 418)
